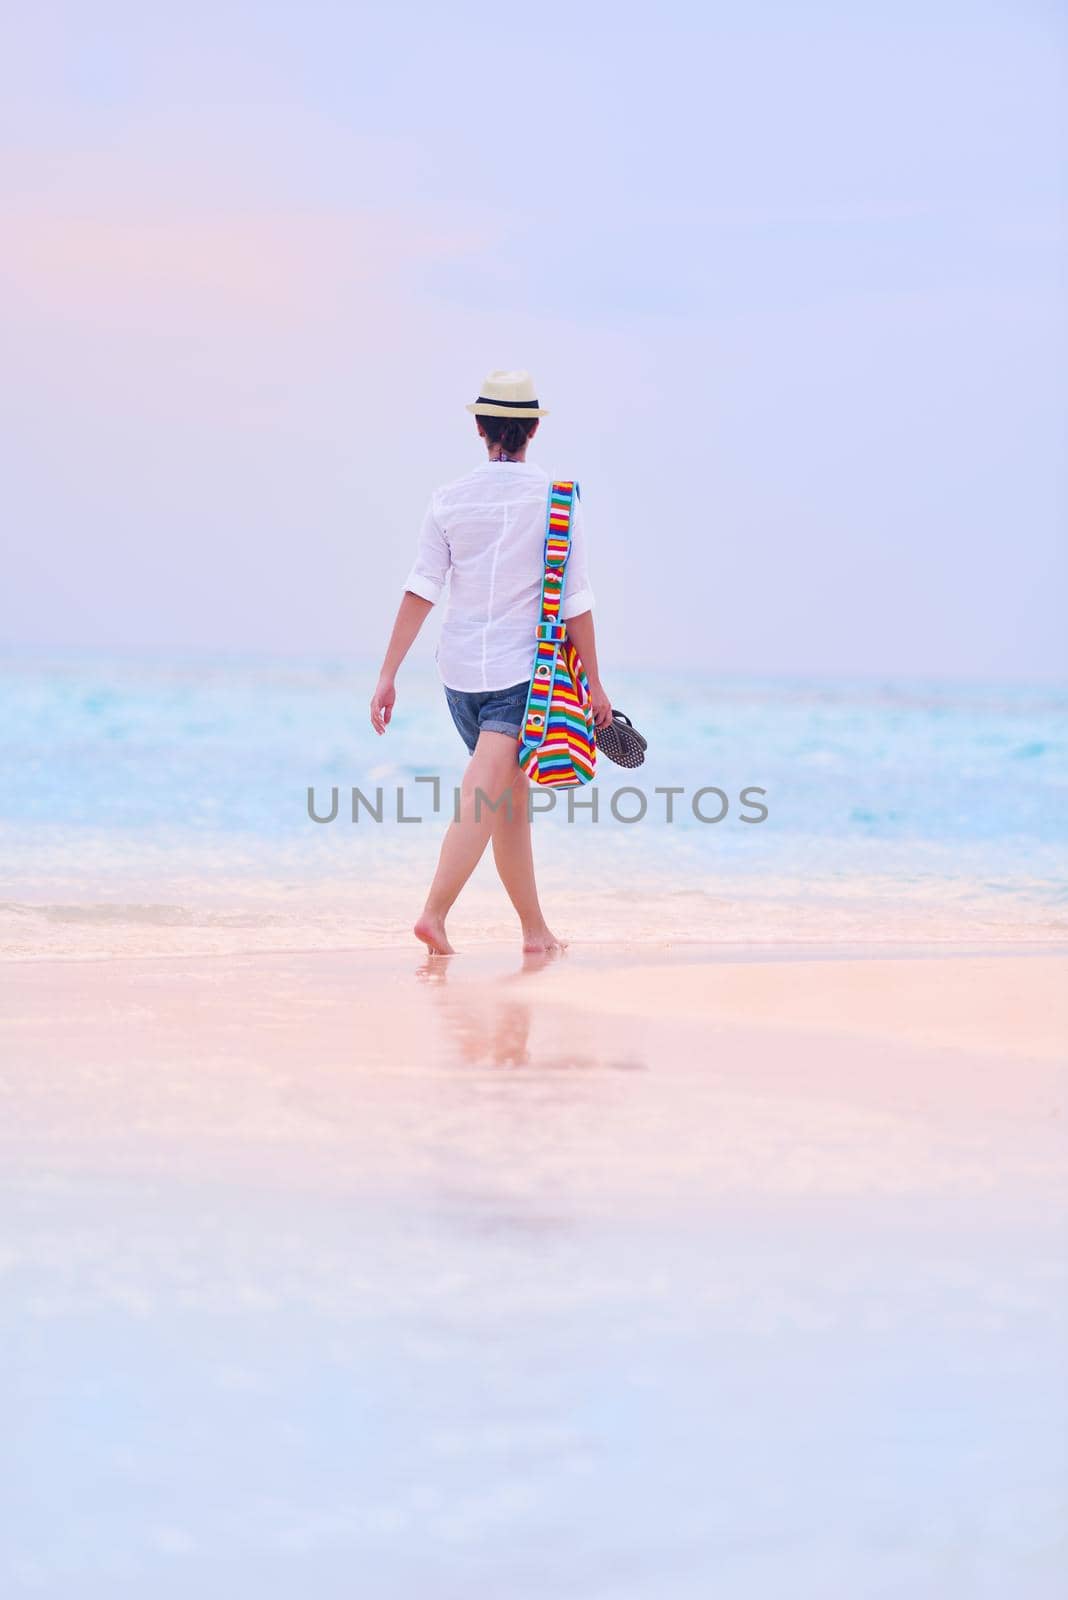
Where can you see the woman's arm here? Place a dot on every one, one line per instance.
(580, 631)
(411, 614)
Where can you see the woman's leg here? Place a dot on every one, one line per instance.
(490, 772)
(514, 857)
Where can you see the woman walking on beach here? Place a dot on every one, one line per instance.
(486, 533)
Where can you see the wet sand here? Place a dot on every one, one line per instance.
(628, 1275)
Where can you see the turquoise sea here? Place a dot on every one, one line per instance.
(163, 804)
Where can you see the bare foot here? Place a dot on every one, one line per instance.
(432, 932)
(539, 940)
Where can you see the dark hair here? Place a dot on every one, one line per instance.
(511, 433)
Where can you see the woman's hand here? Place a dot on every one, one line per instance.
(382, 702)
(602, 706)
(411, 614)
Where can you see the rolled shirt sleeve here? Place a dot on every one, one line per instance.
(578, 596)
(432, 560)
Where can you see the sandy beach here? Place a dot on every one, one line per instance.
(626, 1275)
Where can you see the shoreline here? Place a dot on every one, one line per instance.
(692, 951)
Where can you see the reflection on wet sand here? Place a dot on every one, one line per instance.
(489, 1021)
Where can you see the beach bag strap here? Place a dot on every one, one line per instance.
(562, 496)
(557, 745)
(550, 632)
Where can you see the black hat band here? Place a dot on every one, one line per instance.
(488, 400)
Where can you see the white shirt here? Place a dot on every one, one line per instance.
(485, 532)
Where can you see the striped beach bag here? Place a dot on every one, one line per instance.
(557, 747)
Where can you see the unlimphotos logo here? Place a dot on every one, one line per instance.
(627, 804)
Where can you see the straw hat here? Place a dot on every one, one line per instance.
(507, 394)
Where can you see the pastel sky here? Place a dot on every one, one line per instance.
(789, 276)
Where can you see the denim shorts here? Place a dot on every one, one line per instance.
(476, 711)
